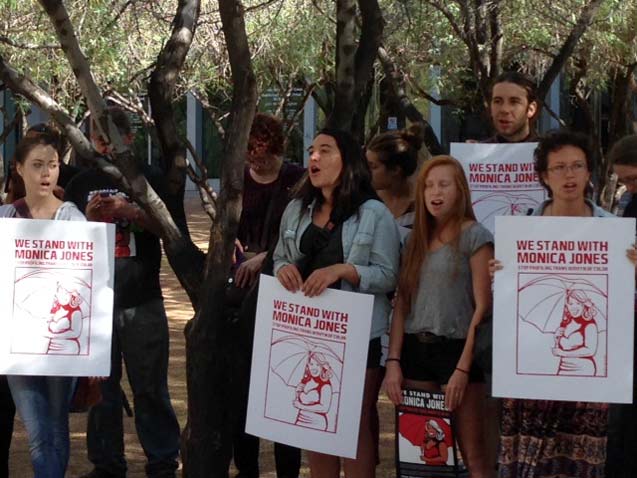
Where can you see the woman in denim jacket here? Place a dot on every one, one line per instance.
(335, 233)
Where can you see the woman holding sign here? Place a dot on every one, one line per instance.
(443, 295)
(545, 438)
(42, 401)
(336, 234)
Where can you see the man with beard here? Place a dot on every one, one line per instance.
(512, 107)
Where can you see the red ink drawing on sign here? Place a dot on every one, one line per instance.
(504, 204)
(570, 311)
(312, 370)
(51, 312)
(432, 434)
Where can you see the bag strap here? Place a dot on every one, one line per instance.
(22, 209)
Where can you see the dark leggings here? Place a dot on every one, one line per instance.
(7, 412)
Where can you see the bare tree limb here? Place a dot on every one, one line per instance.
(261, 5)
(406, 105)
(497, 38)
(9, 127)
(340, 117)
(208, 434)
(206, 194)
(176, 242)
(161, 90)
(117, 16)
(555, 116)
(27, 46)
(586, 17)
(66, 36)
(213, 113)
(427, 96)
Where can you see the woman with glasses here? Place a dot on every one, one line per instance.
(42, 401)
(546, 438)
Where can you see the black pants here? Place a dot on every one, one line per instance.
(7, 412)
(246, 457)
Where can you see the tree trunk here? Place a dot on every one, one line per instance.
(179, 248)
(161, 90)
(406, 105)
(619, 122)
(341, 116)
(207, 439)
(585, 19)
(184, 257)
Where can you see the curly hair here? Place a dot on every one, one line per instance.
(268, 130)
(554, 141)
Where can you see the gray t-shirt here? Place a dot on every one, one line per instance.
(444, 303)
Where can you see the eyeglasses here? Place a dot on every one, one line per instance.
(561, 169)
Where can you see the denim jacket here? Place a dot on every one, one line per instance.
(371, 243)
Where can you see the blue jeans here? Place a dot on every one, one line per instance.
(43, 405)
(140, 337)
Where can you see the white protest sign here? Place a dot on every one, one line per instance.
(564, 309)
(56, 291)
(501, 178)
(308, 368)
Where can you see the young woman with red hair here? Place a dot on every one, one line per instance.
(443, 295)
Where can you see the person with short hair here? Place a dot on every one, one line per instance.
(512, 107)
(140, 325)
(267, 185)
(528, 448)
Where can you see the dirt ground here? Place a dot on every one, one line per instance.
(179, 311)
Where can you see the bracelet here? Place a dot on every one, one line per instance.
(462, 370)
(392, 360)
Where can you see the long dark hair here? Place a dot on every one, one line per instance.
(355, 185)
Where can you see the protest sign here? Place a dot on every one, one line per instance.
(308, 368)
(564, 309)
(425, 442)
(501, 178)
(56, 289)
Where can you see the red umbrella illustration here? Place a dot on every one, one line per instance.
(290, 355)
(414, 428)
(541, 300)
(503, 204)
(34, 291)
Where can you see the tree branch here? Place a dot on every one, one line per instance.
(206, 194)
(406, 105)
(341, 117)
(176, 242)
(586, 17)
(161, 90)
(27, 46)
(79, 64)
(427, 96)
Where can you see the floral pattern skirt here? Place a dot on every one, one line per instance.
(552, 439)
